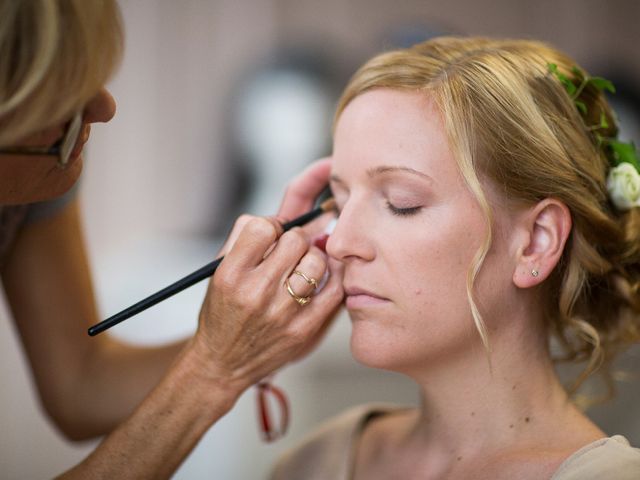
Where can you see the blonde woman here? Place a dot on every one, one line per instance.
(475, 223)
(157, 402)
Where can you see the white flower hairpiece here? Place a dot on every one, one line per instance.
(623, 180)
(623, 184)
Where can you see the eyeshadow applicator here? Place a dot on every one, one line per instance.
(197, 276)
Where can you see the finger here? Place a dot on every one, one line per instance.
(322, 307)
(304, 188)
(239, 224)
(254, 240)
(305, 278)
(284, 256)
(318, 336)
(321, 226)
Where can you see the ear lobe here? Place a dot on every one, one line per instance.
(548, 225)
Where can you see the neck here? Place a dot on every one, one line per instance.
(470, 406)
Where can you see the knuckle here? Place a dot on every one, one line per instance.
(225, 279)
(240, 224)
(295, 240)
(243, 219)
(262, 228)
(298, 334)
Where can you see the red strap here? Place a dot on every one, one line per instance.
(269, 433)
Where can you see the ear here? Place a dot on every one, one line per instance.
(547, 226)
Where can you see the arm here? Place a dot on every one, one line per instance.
(87, 385)
(164, 428)
(249, 326)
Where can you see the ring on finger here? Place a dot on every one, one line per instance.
(301, 300)
(309, 280)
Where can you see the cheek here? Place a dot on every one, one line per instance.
(410, 343)
(494, 286)
(436, 259)
(43, 138)
(36, 181)
(425, 265)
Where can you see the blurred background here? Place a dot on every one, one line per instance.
(219, 104)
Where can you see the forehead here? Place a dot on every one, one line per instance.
(386, 127)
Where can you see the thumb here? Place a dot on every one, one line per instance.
(304, 188)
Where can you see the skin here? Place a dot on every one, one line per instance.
(37, 178)
(248, 328)
(482, 415)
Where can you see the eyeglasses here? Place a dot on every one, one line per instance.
(62, 148)
(267, 426)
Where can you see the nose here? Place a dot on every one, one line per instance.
(351, 238)
(101, 108)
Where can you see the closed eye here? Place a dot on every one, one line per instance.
(402, 212)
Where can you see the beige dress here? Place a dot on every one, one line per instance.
(327, 454)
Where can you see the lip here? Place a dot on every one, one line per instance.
(357, 297)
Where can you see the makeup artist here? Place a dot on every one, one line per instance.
(154, 403)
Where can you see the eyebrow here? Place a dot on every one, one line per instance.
(373, 172)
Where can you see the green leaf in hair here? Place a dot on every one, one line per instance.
(578, 73)
(624, 153)
(603, 120)
(581, 106)
(602, 84)
(616, 151)
(564, 80)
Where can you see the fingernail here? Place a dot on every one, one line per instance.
(321, 242)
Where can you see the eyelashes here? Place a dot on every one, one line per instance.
(397, 211)
(402, 212)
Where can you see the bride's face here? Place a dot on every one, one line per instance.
(407, 233)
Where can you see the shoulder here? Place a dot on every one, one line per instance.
(611, 458)
(326, 452)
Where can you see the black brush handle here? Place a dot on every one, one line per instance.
(186, 282)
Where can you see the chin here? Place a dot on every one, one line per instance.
(397, 350)
(37, 181)
(372, 349)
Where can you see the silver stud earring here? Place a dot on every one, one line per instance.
(534, 273)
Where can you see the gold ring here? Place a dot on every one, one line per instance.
(301, 300)
(310, 281)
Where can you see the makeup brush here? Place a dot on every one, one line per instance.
(197, 276)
